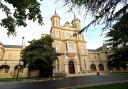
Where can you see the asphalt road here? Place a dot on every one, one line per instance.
(62, 83)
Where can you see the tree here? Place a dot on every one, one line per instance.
(104, 11)
(23, 10)
(118, 41)
(39, 55)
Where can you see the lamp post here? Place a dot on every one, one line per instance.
(19, 65)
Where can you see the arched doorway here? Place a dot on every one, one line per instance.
(18, 69)
(4, 69)
(71, 67)
(101, 67)
(93, 67)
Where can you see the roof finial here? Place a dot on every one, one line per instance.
(74, 16)
(55, 12)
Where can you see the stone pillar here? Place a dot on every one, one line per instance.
(66, 68)
(11, 71)
(25, 72)
(106, 67)
(88, 65)
(97, 67)
(78, 68)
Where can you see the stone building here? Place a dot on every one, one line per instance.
(9, 61)
(75, 58)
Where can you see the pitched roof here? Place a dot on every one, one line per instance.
(12, 46)
(102, 48)
(92, 50)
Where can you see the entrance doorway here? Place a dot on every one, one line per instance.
(4, 69)
(71, 67)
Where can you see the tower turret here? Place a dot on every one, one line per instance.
(55, 20)
(76, 23)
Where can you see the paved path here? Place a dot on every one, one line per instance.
(62, 83)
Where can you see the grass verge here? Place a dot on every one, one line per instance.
(108, 86)
(12, 79)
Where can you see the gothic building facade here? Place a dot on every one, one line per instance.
(10, 60)
(75, 58)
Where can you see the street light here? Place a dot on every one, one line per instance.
(19, 64)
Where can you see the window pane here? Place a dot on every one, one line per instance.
(71, 47)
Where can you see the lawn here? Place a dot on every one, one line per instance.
(12, 79)
(20, 79)
(109, 86)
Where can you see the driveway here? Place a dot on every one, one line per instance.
(62, 83)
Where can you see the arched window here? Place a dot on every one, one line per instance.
(4, 69)
(93, 67)
(101, 67)
(56, 22)
(53, 24)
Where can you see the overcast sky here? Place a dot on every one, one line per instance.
(34, 30)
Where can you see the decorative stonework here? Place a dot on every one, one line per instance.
(81, 60)
(72, 47)
(69, 54)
